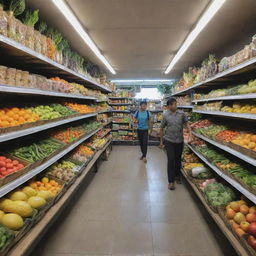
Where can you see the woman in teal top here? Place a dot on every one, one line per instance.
(143, 117)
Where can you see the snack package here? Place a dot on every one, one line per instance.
(3, 22)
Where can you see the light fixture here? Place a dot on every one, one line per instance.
(140, 80)
(206, 17)
(72, 19)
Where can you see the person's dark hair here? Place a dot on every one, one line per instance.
(143, 103)
(171, 101)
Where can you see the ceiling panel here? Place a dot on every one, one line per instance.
(139, 37)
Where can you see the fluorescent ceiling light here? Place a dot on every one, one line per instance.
(72, 19)
(141, 80)
(206, 17)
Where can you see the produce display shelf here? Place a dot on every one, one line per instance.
(238, 69)
(122, 129)
(39, 128)
(227, 114)
(120, 104)
(21, 180)
(232, 97)
(227, 232)
(185, 106)
(120, 122)
(121, 111)
(155, 110)
(227, 149)
(119, 98)
(33, 60)
(29, 241)
(232, 182)
(30, 91)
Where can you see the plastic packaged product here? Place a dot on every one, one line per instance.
(18, 75)
(25, 78)
(10, 81)
(11, 73)
(43, 40)
(12, 22)
(3, 22)
(30, 38)
(38, 45)
(3, 73)
(21, 32)
(32, 81)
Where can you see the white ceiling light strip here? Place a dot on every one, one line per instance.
(72, 19)
(206, 17)
(140, 80)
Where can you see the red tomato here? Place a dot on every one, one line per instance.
(15, 162)
(2, 169)
(8, 160)
(4, 173)
(20, 166)
(11, 170)
(2, 158)
(2, 163)
(9, 165)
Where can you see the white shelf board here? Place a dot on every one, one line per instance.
(185, 106)
(227, 114)
(232, 97)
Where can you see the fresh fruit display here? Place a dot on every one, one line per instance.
(189, 166)
(64, 170)
(37, 151)
(97, 143)
(69, 135)
(80, 108)
(83, 153)
(120, 101)
(122, 94)
(218, 195)
(189, 157)
(121, 108)
(238, 107)
(214, 106)
(103, 118)
(245, 140)
(102, 133)
(9, 166)
(227, 135)
(103, 106)
(201, 124)
(46, 184)
(16, 116)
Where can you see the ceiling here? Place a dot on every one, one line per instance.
(140, 37)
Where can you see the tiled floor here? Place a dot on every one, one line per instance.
(126, 210)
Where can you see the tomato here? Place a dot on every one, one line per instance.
(2, 169)
(4, 173)
(9, 165)
(2, 163)
(15, 162)
(20, 166)
(8, 160)
(2, 158)
(11, 170)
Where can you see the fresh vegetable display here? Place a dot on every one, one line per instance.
(83, 153)
(37, 151)
(9, 166)
(5, 236)
(80, 108)
(239, 107)
(69, 135)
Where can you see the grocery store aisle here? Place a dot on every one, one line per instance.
(127, 210)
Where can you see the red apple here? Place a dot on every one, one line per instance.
(252, 209)
(251, 217)
(245, 225)
(252, 242)
(244, 209)
(252, 229)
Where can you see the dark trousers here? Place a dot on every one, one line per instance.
(174, 152)
(143, 139)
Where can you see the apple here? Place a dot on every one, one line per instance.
(234, 225)
(244, 225)
(239, 217)
(251, 217)
(239, 231)
(230, 213)
(242, 202)
(252, 209)
(235, 206)
(244, 209)
(252, 241)
(252, 229)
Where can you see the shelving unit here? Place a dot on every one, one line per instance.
(184, 106)
(36, 61)
(228, 233)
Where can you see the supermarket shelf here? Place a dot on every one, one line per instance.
(21, 180)
(24, 132)
(240, 68)
(227, 149)
(29, 241)
(232, 97)
(227, 232)
(28, 57)
(99, 101)
(155, 110)
(121, 122)
(105, 111)
(185, 106)
(119, 98)
(122, 129)
(232, 182)
(30, 91)
(120, 111)
(227, 114)
(120, 104)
